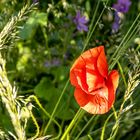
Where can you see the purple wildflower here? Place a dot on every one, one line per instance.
(116, 23)
(53, 63)
(122, 6)
(35, 1)
(80, 22)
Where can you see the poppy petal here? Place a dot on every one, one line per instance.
(81, 79)
(94, 88)
(90, 57)
(112, 84)
(102, 63)
(94, 80)
(91, 108)
(78, 74)
(81, 97)
(98, 102)
(114, 76)
(87, 80)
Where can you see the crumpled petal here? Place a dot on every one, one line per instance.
(94, 80)
(102, 63)
(84, 72)
(94, 88)
(98, 103)
(94, 104)
(114, 76)
(78, 74)
(112, 84)
(81, 97)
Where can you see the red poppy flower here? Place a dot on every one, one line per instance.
(94, 87)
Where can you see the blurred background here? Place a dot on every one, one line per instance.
(48, 41)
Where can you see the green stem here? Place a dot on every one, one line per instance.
(56, 106)
(123, 40)
(138, 47)
(91, 119)
(47, 114)
(37, 126)
(71, 124)
(75, 126)
(114, 111)
(123, 77)
(46, 41)
(90, 138)
(103, 130)
(93, 29)
(112, 137)
(94, 123)
(93, 18)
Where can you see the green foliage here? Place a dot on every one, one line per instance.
(32, 23)
(39, 46)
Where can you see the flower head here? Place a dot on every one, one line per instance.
(80, 22)
(94, 87)
(122, 6)
(116, 23)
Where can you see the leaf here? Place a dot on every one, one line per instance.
(63, 111)
(23, 59)
(44, 89)
(47, 91)
(41, 18)
(65, 107)
(63, 72)
(32, 23)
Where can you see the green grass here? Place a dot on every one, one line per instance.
(38, 45)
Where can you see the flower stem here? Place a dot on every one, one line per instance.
(76, 124)
(37, 126)
(71, 124)
(122, 73)
(56, 106)
(103, 130)
(93, 25)
(91, 119)
(47, 114)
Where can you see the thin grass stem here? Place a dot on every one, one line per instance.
(115, 113)
(93, 18)
(71, 124)
(76, 123)
(124, 47)
(37, 127)
(116, 53)
(122, 74)
(47, 114)
(56, 106)
(83, 129)
(103, 129)
(46, 41)
(93, 29)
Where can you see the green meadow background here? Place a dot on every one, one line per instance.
(38, 44)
